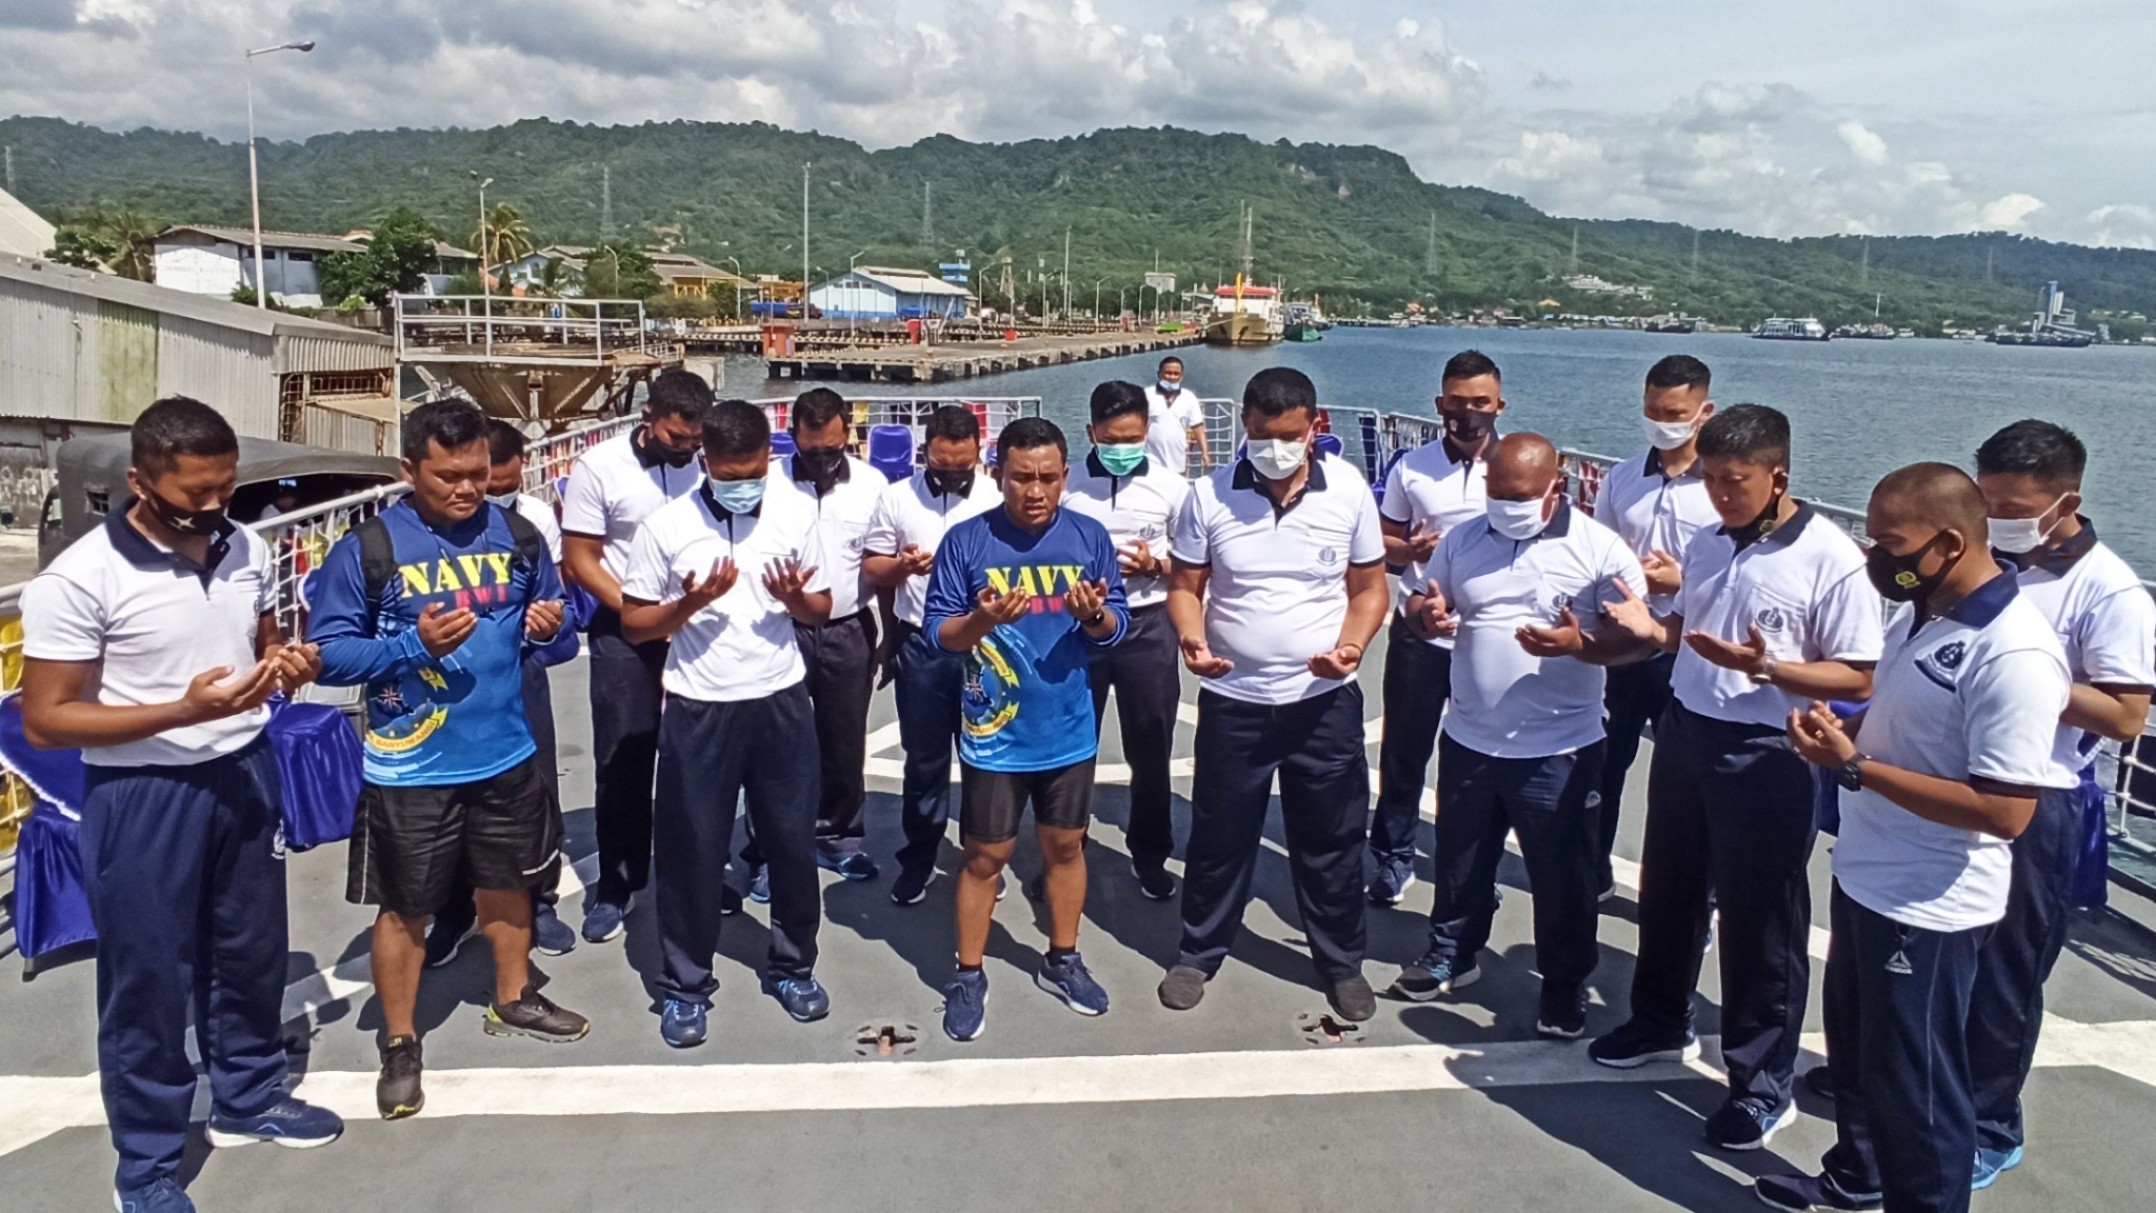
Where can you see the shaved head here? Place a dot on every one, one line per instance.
(1522, 466)
(1931, 496)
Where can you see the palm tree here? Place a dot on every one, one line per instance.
(133, 236)
(556, 277)
(503, 237)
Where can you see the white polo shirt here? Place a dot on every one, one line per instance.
(907, 513)
(1974, 693)
(1506, 702)
(154, 621)
(1277, 593)
(1168, 422)
(740, 646)
(1140, 507)
(1653, 511)
(2103, 618)
(610, 493)
(541, 516)
(1803, 585)
(1431, 489)
(842, 519)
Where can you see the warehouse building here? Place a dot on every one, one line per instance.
(874, 293)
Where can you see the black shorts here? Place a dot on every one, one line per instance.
(412, 847)
(991, 803)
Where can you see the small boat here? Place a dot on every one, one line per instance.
(1782, 328)
(1673, 324)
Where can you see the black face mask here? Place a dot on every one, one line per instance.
(1896, 577)
(820, 468)
(950, 484)
(651, 452)
(186, 521)
(1468, 427)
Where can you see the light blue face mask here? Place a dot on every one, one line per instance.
(1120, 458)
(736, 496)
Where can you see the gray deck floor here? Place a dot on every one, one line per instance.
(1453, 1104)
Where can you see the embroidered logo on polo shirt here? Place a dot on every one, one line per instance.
(1328, 555)
(1771, 619)
(1940, 664)
(1560, 603)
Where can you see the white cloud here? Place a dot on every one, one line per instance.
(1863, 144)
(2124, 224)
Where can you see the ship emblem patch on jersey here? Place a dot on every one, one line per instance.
(1560, 603)
(1940, 664)
(1771, 619)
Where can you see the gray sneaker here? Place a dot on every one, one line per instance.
(1183, 987)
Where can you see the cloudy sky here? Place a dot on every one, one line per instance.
(1910, 116)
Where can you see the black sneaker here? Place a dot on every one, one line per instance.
(1802, 1193)
(1353, 999)
(1433, 977)
(397, 1093)
(1394, 878)
(729, 900)
(911, 886)
(1747, 1124)
(454, 926)
(534, 1015)
(1182, 988)
(1630, 1047)
(1153, 880)
(1819, 1080)
(1564, 1015)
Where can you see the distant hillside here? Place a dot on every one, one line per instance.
(1352, 223)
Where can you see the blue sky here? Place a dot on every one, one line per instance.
(1830, 116)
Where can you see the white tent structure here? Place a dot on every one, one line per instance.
(23, 233)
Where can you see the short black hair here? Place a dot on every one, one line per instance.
(1469, 364)
(448, 424)
(1939, 494)
(2042, 449)
(176, 426)
(1170, 358)
(1753, 433)
(735, 427)
(1680, 370)
(678, 393)
(1030, 433)
(954, 423)
(1276, 389)
(504, 442)
(1116, 398)
(815, 409)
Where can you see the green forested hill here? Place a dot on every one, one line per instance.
(1353, 224)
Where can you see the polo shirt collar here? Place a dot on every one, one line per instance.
(141, 551)
(1654, 467)
(2058, 560)
(1560, 523)
(1246, 476)
(1780, 536)
(1983, 604)
(1096, 467)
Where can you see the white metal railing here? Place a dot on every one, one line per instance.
(454, 328)
(913, 412)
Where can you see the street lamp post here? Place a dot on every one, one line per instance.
(737, 284)
(486, 290)
(1096, 299)
(853, 310)
(254, 171)
(805, 241)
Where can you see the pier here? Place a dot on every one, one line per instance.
(814, 356)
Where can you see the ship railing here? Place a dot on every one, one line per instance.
(479, 328)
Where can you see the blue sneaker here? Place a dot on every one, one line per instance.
(550, 935)
(1069, 980)
(965, 1005)
(760, 886)
(288, 1122)
(603, 919)
(1432, 977)
(683, 1025)
(1991, 1164)
(853, 865)
(803, 997)
(158, 1196)
(1747, 1124)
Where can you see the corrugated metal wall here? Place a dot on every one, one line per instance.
(229, 369)
(49, 341)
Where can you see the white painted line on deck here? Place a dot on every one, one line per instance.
(39, 1107)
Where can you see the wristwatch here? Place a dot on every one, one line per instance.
(1765, 675)
(1851, 774)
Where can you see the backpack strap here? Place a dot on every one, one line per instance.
(530, 544)
(377, 566)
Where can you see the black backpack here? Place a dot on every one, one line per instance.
(378, 556)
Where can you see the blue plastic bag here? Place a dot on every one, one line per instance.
(322, 765)
(2092, 863)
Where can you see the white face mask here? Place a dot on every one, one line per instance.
(1668, 435)
(2018, 535)
(1170, 387)
(1516, 520)
(1277, 459)
(507, 501)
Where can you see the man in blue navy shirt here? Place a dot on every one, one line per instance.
(428, 606)
(1025, 592)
